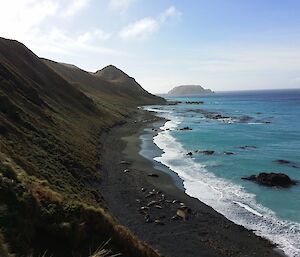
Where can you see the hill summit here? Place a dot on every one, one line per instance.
(118, 77)
(112, 73)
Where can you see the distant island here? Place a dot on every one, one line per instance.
(189, 90)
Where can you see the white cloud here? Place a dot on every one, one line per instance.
(120, 5)
(145, 27)
(75, 6)
(171, 12)
(28, 22)
(59, 42)
(140, 29)
(21, 18)
(93, 35)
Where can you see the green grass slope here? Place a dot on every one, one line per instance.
(49, 166)
(101, 85)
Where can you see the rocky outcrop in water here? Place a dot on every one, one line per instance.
(230, 118)
(287, 163)
(206, 152)
(248, 147)
(271, 179)
(194, 102)
(228, 153)
(173, 102)
(185, 128)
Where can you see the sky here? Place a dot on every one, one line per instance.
(219, 44)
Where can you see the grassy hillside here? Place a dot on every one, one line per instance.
(119, 78)
(51, 116)
(101, 85)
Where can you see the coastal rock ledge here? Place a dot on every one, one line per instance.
(272, 179)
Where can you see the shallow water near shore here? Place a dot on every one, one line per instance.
(248, 132)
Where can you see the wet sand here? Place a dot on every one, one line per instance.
(148, 204)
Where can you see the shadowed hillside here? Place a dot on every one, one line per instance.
(49, 157)
(105, 83)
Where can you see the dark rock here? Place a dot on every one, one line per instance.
(272, 179)
(148, 218)
(287, 163)
(152, 203)
(175, 217)
(228, 153)
(159, 222)
(189, 154)
(153, 175)
(182, 213)
(219, 117)
(245, 119)
(173, 102)
(185, 128)
(194, 102)
(149, 195)
(182, 205)
(283, 162)
(248, 147)
(125, 162)
(206, 152)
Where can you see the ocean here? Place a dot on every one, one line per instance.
(249, 131)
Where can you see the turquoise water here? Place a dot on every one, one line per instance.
(269, 122)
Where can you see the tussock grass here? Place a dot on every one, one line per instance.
(103, 251)
(43, 219)
(4, 251)
(43, 192)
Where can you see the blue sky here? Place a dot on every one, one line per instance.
(220, 44)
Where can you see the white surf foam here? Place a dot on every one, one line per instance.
(248, 208)
(156, 110)
(228, 198)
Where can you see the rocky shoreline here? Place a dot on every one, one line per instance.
(146, 199)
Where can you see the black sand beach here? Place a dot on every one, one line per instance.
(147, 204)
